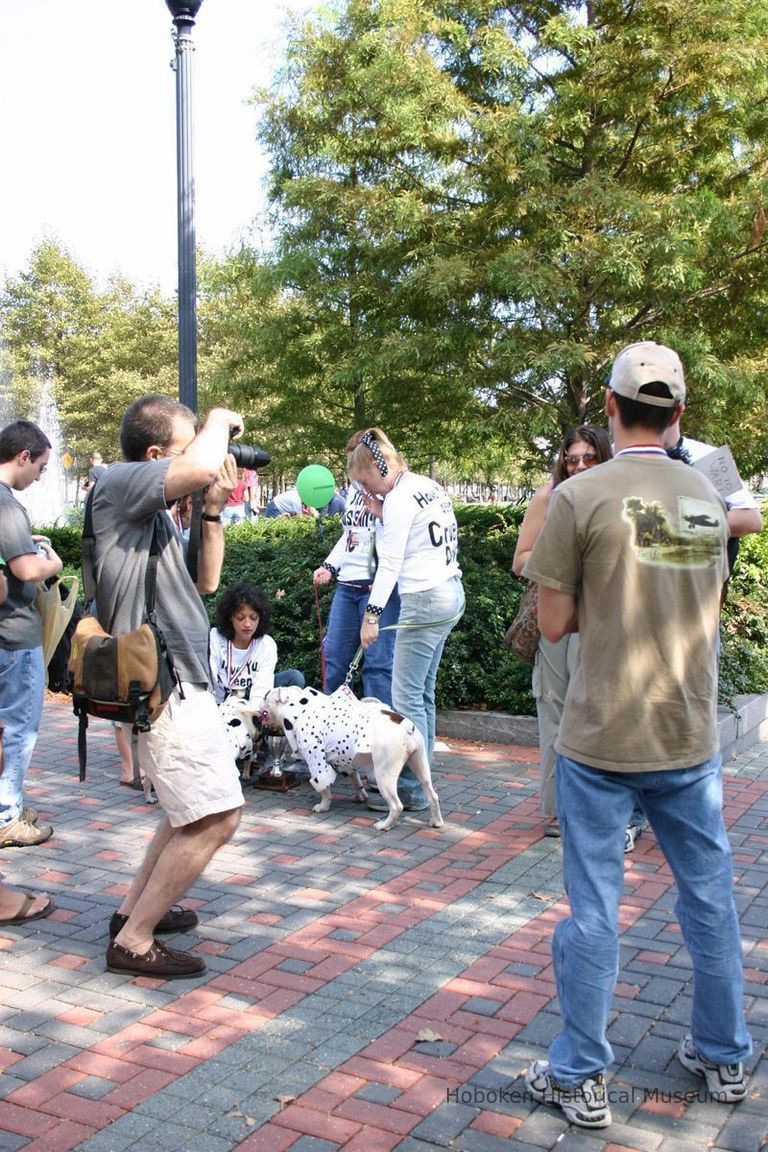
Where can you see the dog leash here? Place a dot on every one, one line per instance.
(392, 628)
(320, 630)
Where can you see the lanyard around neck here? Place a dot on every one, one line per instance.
(233, 673)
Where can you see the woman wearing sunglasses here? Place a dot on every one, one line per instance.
(583, 448)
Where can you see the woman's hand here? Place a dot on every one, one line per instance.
(369, 633)
(373, 505)
(321, 576)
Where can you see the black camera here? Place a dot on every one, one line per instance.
(248, 456)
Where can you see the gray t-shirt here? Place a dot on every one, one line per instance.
(20, 623)
(127, 501)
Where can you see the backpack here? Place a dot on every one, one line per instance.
(126, 679)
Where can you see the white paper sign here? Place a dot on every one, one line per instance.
(719, 467)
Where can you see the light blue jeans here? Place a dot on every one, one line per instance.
(233, 515)
(418, 651)
(342, 640)
(22, 684)
(685, 809)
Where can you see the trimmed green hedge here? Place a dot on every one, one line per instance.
(476, 672)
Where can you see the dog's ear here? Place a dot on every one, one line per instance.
(245, 707)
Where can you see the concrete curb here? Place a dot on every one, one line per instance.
(739, 727)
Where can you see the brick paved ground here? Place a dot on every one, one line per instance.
(365, 991)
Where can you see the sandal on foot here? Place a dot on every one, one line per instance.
(23, 915)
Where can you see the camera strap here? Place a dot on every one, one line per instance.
(195, 535)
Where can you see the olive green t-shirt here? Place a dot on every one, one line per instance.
(640, 542)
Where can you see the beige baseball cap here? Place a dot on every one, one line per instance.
(645, 363)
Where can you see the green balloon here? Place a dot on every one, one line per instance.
(315, 485)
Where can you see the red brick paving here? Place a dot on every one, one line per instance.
(331, 1110)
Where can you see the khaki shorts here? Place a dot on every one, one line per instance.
(187, 758)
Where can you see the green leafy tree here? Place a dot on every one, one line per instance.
(96, 350)
(478, 203)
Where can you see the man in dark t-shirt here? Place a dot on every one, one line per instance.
(185, 755)
(24, 453)
(97, 469)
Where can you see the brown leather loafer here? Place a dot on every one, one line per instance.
(160, 961)
(176, 919)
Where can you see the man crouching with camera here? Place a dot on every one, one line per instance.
(185, 754)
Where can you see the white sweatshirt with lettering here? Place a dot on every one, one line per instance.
(418, 545)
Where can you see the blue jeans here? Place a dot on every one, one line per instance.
(22, 683)
(290, 678)
(418, 651)
(342, 640)
(233, 515)
(684, 807)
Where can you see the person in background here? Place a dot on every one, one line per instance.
(242, 500)
(336, 505)
(418, 552)
(582, 448)
(97, 469)
(24, 454)
(243, 655)
(18, 907)
(251, 495)
(352, 563)
(744, 515)
(287, 503)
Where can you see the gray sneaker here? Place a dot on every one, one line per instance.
(725, 1082)
(632, 834)
(22, 834)
(586, 1105)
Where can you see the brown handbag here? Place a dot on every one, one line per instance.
(522, 636)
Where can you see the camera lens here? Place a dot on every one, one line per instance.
(247, 456)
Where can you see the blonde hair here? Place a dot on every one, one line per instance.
(361, 455)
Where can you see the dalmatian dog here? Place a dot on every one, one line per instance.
(238, 716)
(340, 733)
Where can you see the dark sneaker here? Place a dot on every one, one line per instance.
(725, 1082)
(22, 834)
(586, 1105)
(176, 919)
(159, 962)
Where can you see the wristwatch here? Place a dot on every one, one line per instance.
(211, 519)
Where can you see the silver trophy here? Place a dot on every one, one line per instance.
(275, 744)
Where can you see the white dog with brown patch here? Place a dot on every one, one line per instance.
(340, 733)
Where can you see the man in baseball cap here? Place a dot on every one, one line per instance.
(632, 556)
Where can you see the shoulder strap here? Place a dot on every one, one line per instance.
(87, 556)
(88, 560)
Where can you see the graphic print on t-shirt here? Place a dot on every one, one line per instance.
(694, 542)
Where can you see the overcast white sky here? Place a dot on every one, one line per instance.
(88, 128)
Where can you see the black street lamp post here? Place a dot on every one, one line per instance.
(184, 13)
